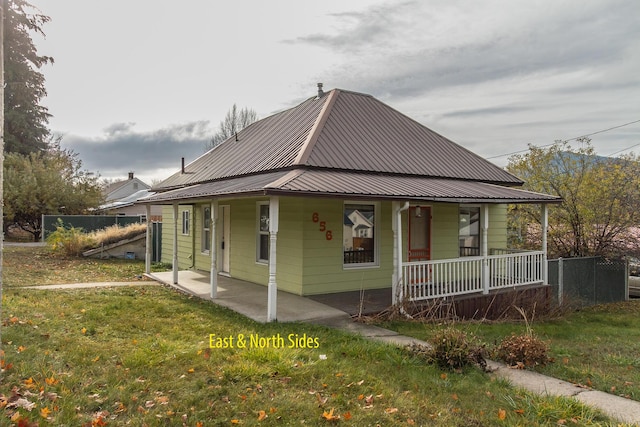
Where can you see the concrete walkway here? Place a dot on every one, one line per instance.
(251, 300)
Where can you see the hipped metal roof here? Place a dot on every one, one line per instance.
(343, 143)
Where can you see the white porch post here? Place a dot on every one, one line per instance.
(484, 217)
(175, 244)
(147, 251)
(397, 280)
(274, 210)
(545, 230)
(213, 251)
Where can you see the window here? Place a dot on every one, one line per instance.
(185, 222)
(469, 231)
(359, 234)
(206, 228)
(262, 249)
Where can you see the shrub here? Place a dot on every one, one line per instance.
(523, 351)
(452, 349)
(69, 241)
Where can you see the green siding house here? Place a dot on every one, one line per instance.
(344, 193)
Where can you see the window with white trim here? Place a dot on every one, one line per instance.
(206, 228)
(262, 226)
(185, 222)
(469, 231)
(360, 236)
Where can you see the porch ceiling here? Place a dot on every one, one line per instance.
(336, 183)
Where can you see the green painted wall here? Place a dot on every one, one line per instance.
(497, 235)
(185, 242)
(324, 271)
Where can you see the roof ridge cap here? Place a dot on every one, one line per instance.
(314, 133)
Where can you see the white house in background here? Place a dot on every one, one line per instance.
(121, 196)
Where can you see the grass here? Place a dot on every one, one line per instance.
(142, 356)
(598, 347)
(34, 266)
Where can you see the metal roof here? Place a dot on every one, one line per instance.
(344, 184)
(344, 131)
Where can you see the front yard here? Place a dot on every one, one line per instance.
(143, 356)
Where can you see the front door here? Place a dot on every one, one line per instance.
(224, 219)
(419, 233)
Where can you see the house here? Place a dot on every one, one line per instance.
(343, 193)
(120, 198)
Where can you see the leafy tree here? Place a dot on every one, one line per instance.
(234, 121)
(48, 182)
(601, 200)
(25, 126)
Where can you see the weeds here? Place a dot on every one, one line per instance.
(73, 241)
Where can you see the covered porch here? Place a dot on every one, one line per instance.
(249, 299)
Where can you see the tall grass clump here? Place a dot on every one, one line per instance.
(73, 241)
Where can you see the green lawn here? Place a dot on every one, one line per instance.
(141, 356)
(34, 266)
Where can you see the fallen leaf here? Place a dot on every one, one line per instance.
(21, 349)
(235, 421)
(51, 381)
(262, 415)
(454, 396)
(44, 412)
(443, 376)
(391, 410)
(191, 370)
(329, 415)
(411, 422)
(519, 411)
(347, 415)
(84, 331)
(502, 414)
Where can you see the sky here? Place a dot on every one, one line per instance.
(138, 84)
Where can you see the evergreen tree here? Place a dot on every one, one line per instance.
(25, 121)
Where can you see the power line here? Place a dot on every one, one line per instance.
(624, 149)
(572, 139)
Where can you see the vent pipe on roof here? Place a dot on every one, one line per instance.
(320, 91)
(183, 165)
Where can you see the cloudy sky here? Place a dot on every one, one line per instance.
(138, 84)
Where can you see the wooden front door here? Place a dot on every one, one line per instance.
(419, 233)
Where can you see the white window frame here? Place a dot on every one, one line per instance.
(376, 235)
(260, 233)
(206, 229)
(479, 207)
(186, 222)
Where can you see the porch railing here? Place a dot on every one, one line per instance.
(424, 280)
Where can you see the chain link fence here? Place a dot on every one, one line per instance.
(588, 281)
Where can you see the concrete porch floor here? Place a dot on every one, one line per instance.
(250, 299)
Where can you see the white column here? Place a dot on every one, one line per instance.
(545, 230)
(484, 218)
(175, 244)
(272, 303)
(397, 286)
(148, 242)
(213, 251)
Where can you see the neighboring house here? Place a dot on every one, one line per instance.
(343, 193)
(121, 196)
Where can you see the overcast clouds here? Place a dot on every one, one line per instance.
(137, 85)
